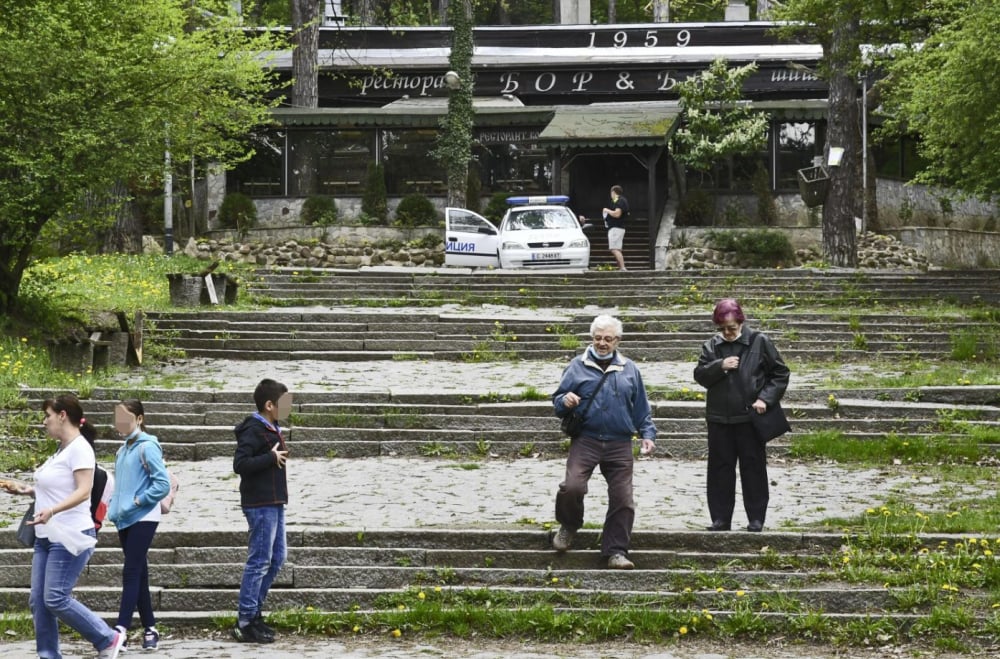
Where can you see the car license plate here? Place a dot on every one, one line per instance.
(545, 256)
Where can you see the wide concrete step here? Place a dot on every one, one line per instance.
(867, 289)
(340, 569)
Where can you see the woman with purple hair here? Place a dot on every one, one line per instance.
(743, 374)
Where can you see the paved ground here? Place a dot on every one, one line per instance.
(319, 648)
(433, 493)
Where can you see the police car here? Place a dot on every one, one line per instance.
(535, 232)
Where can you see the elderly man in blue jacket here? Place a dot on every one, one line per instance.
(606, 388)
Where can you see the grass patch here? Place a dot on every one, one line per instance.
(890, 449)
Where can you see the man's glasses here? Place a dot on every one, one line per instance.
(606, 339)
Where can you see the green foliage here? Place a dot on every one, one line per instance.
(454, 144)
(374, 200)
(716, 121)
(947, 91)
(416, 210)
(319, 210)
(496, 207)
(163, 74)
(758, 247)
(696, 209)
(767, 209)
(237, 211)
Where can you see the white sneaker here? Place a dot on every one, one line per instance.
(111, 652)
(619, 562)
(563, 539)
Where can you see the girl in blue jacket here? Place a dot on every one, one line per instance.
(141, 481)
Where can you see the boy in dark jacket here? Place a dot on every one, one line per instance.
(261, 455)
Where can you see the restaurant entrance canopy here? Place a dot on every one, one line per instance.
(595, 126)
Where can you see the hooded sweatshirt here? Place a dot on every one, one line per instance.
(262, 482)
(147, 482)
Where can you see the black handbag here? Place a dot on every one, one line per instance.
(772, 423)
(572, 423)
(26, 532)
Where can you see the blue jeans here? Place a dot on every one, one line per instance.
(54, 572)
(266, 552)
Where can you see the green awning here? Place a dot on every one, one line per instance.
(405, 117)
(610, 126)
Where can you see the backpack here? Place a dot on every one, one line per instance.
(167, 502)
(98, 500)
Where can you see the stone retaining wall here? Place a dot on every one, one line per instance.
(874, 251)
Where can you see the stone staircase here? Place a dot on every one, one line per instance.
(196, 575)
(791, 576)
(635, 247)
(365, 425)
(427, 334)
(757, 289)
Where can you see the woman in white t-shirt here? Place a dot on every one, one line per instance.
(62, 499)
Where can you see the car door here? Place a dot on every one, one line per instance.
(470, 240)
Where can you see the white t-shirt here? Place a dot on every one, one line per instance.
(54, 482)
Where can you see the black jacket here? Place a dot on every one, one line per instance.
(262, 483)
(762, 373)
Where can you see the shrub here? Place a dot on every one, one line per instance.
(496, 207)
(767, 210)
(237, 211)
(319, 210)
(696, 209)
(758, 247)
(416, 210)
(374, 201)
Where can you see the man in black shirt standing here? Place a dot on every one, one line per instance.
(614, 218)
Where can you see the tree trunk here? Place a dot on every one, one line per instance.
(15, 250)
(125, 236)
(612, 12)
(305, 93)
(843, 202)
(366, 11)
(443, 12)
(457, 135)
(661, 11)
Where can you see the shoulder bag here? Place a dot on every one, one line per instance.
(572, 423)
(26, 532)
(772, 423)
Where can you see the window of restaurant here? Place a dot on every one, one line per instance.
(897, 158)
(514, 168)
(409, 165)
(796, 144)
(263, 175)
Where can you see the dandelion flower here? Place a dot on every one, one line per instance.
(396, 633)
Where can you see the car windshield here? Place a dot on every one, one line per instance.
(540, 218)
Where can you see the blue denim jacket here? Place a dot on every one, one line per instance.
(621, 410)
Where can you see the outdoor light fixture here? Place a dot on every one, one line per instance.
(452, 80)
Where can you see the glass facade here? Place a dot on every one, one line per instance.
(334, 162)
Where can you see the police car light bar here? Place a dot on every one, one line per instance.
(537, 199)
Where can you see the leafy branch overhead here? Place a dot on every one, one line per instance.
(717, 122)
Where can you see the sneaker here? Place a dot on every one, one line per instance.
(620, 562)
(263, 626)
(150, 638)
(563, 540)
(250, 634)
(125, 643)
(112, 651)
